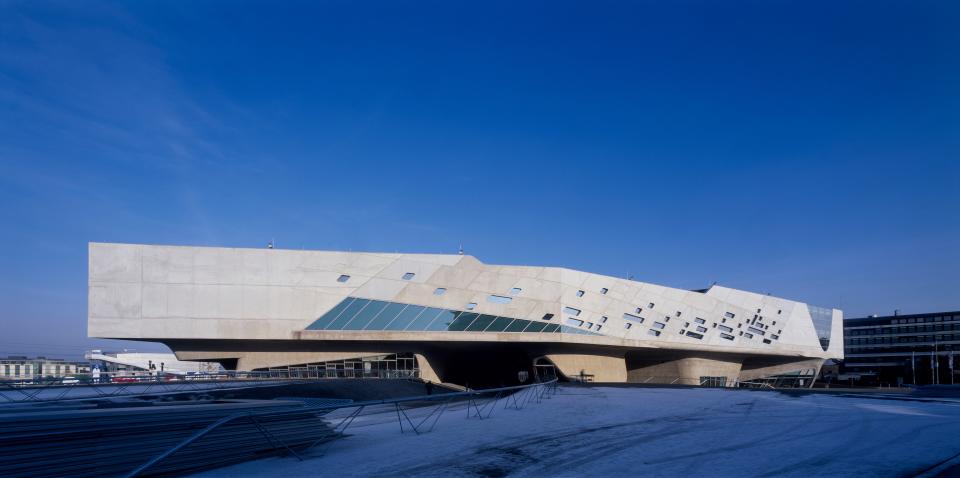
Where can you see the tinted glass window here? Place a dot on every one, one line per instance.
(385, 317)
(325, 319)
(535, 327)
(405, 318)
(348, 313)
(481, 323)
(443, 321)
(424, 319)
(551, 328)
(365, 316)
(462, 321)
(518, 325)
(500, 324)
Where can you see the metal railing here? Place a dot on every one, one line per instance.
(480, 404)
(117, 384)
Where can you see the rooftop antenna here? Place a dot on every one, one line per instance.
(896, 312)
(270, 244)
(461, 249)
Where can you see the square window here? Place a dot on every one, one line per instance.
(579, 293)
(699, 320)
(729, 315)
(471, 306)
(439, 291)
(571, 311)
(701, 329)
(515, 291)
(650, 305)
(603, 319)
(627, 325)
(678, 313)
(604, 290)
(408, 276)
(343, 278)
(659, 325)
(599, 327)
(547, 316)
(655, 333)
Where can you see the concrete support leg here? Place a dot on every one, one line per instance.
(685, 371)
(593, 368)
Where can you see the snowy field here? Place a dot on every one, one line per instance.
(649, 432)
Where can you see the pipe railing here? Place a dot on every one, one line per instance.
(118, 384)
(480, 404)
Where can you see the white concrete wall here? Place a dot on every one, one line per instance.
(166, 292)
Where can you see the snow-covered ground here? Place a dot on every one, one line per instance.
(647, 432)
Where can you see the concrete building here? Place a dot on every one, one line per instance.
(18, 367)
(901, 349)
(137, 363)
(462, 321)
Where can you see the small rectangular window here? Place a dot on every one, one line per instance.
(627, 325)
(499, 299)
(408, 276)
(775, 337)
(635, 318)
(604, 291)
(343, 278)
(471, 306)
(725, 328)
(547, 316)
(515, 291)
(679, 313)
(766, 341)
(694, 335)
(650, 305)
(599, 327)
(589, 325)
(603, 319)
(756, 330)
(701, 329)
(579, 293)
(571, 311)
(659, 325)
(574, 322)
(726, 336)
(748, 335)
(729, 315)
(655, 333)
(699, 320)
(439, 291)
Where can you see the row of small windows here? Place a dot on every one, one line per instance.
(903, 329)
(365, 314)
(902, 340)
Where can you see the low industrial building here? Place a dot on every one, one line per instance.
(23, 368)
(901, 349)
(448, 318)
(137, 363)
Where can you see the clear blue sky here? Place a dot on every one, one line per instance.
(805, 149)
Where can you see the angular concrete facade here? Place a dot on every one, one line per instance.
(464, 320)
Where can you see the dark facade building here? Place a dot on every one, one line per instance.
(902, 349)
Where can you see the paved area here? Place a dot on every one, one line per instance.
(597, 431)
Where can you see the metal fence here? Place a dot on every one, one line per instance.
(480, 404)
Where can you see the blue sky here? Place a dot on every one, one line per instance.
(809, 150)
